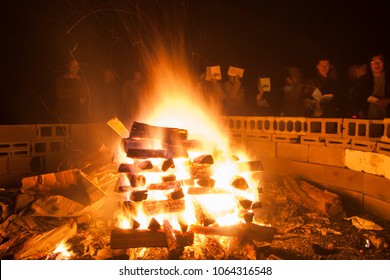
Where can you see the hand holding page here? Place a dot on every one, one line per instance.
(213, 73)
(326, 97)
(265, 84)
(372, 99)
(235, 71)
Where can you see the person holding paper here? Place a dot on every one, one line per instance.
(374, 89)
(325, 79)
(299, 99)
(72, 94)
(234, 102)
(213, 89)
(263, 102)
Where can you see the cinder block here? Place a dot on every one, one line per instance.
(283, 138)
(52, 130)
(3, 166)
(368, 162)
(19, 165)
(383, 148)
(334, 156)
(43, 147)
(260, 137)
(365, 130)
(261, 149)
(329, 175)
(236, 124)
(362, 145)
(376, 186)
(378, 208)
(260, 125)
(345, 143)
(15, 149)
(15, 133)
(312, 140)
(290, 125)
(296, 152)
(324, 127)
(386, 132)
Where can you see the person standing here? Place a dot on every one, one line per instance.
(132, 92)
(325, 79)
(235, 94)
(108, 102)
(72, 98)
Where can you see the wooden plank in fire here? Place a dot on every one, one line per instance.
(206, 190)
(166, 134)
(199, 171)
(156, 207)
(165, 185)
(146, 153)
(138, 238)
(247, 231)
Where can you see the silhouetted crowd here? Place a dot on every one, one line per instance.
(364, 93)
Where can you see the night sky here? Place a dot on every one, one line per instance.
(261, 36)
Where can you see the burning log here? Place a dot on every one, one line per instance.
(247, 231)
(145, 165)
(199, 171)
(204, 159)
(206, 182)
(165, 185)
(166, 134)
(172, 243)
(176, 194)
(239, 183)
(137, 180)
(138, 196)
(154, 225)
(314, 199)
(206, 190)
(156, 207)
(130, 238)
(145, 153)
(167, 164)
(202, 216)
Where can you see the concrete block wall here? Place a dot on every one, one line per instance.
(27, 150)
(350, 157)
(346, 156)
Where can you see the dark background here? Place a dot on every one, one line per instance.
(261, 36)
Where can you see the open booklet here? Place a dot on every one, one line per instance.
(317, 95)
(372, 99)
(326, 97)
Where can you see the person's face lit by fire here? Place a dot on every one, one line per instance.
(377, 65)
(323, 67)
(73, 67)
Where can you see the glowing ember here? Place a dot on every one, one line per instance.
(62, 252)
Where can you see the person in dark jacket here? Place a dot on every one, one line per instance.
(325, 79)
(373, 90)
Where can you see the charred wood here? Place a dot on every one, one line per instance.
(145, 153)
(166, 134)
(239, 183)
(316, 200)
(165, 185)
(206, 182)
(130, 238)
(168, 163)
(248, 231)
